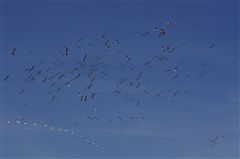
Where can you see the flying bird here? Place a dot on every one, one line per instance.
(183, 44)
(29, 53)
(201, 75)
(92, 94)
(85, 56)
(120, 51)
(175, 77)
(186, 76)
(6, 77)
(211, 46)
(39, 72)
(145, 33)
(163, 48)
(107, 45)
(167, 47)
(108, 119)
(85, 98)
(67, 51)
(203, 64)
(13, 52)
(22, 91)
(168, 70)
(168, 23)
(103, 36)
(232, 62)
(162, 32)
(171, 50)
(128, 58)
(116, 41)
(155, 29)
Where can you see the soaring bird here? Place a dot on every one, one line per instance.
(211, 46)
(183, 44)
(103, 36)
(6, 77)
(85, 98)
(128, 58)
(29, 52)
(203, 64)
(116, 41)
(155, 29)
(171, 50)
(13, 52)
(175, 77)
(163, 48)
(162, 32)
(67, 51)
(107, 45)
(201, 75)
(168, 23)
(167, 47)
(22, 91)
(232, 62)
(92, 94)
(85, 56)
(145, 33)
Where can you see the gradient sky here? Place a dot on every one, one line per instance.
(166, 113)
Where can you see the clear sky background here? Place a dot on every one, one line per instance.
(147, 102)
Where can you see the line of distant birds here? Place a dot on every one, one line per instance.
(216, 139)
(18, 121)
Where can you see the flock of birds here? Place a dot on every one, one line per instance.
(216, 139)
(82, 77)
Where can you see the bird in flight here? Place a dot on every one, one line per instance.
(13, 52)
(67, 51)
(155, 29)
(211, 46)
(163, 48)
(144, 33)
(6, 77)
(168, 23)
(128, 58)
(103, 36)
(162, 32)
(116, 41)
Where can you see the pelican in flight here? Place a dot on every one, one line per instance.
(13, 52)
(145, 33)
(211, 46)
(162, 32)
(103, 36)
(155, 29)
(116, 41)
(67, 51)
(6, 77)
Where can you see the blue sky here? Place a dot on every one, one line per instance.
(146, 103)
